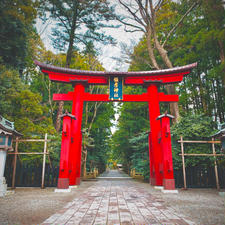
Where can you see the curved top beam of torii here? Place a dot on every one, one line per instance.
(66, 75)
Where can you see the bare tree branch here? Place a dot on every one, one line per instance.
(85, 152)
(131, 25)
(97, 105)
(158, 5)
(146, 5)
(150, 49)
(142, 11)
(152, 15)
(132, 31)
(134, 14)
(45, 27)
(62, 21)
(48, 87)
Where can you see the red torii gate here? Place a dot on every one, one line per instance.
(160, 152)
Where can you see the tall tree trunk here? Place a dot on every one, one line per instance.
(174, 109)
(162, 52)
(68, 62)
(84, 149)
(214, 102)
(72, 35)
(202, 94)
(84, 163)
(220, 100)
(186, 102)
(150, 49)
(58, 118)
(222, 58)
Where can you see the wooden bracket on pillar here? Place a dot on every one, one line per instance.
(155, 82)
(68, 114)
(165, 115)
(81, 81)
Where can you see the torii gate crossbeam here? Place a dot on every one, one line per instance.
(105, 98)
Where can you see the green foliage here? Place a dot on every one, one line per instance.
(101, 135)
(10, 84)
(23, 106)
(139, 58)
(25, 109)
(54, 149)
(201, 41)
(16, 21)
(140, 154)
(79, 22)
(193, 127)
(200, 37)
(26, 94)
(133, 121)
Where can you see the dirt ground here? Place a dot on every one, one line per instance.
(203, 206)
(33, 205)
(30, 206)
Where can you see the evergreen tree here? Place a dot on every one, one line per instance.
(79, 22)
(16, 21)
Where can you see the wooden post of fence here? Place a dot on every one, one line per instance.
(182, 153)
(44, 160)
(215, 165)
(14, 163)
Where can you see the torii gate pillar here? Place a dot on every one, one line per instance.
(76, 137)
(155, 150)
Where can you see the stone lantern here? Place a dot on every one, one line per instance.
(221, 135)
(7, 132)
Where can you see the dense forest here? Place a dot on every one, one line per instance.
(175, 33)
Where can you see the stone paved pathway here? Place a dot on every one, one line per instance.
(112, 202)
(114, 174)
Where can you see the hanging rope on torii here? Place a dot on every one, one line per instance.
(160, 150)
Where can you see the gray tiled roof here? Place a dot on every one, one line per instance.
(180, 69)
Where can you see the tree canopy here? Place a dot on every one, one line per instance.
(175, 33)
(79, 22)
(198, 37)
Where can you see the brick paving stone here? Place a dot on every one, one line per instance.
(112, 202)
(52, 218)
(179, 221)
